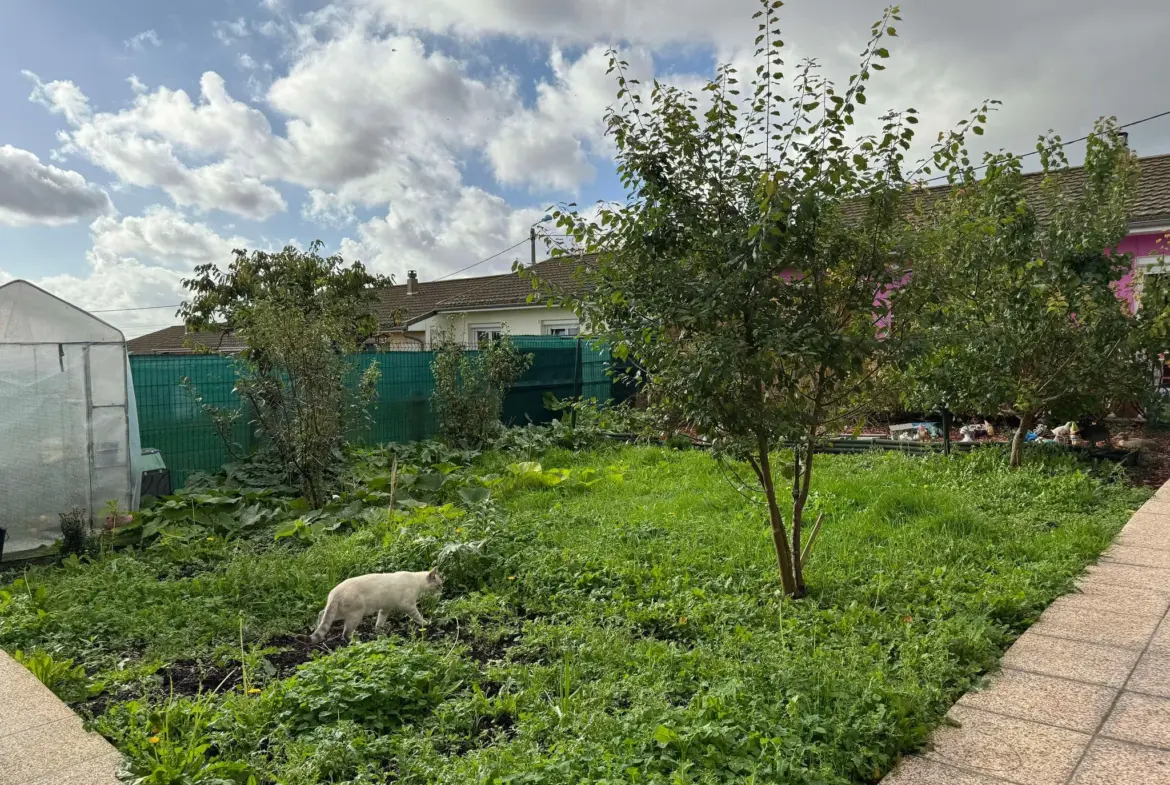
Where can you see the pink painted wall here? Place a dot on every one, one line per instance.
(1139, 245)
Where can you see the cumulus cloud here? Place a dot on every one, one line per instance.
(230, 31)
(138, 262)
(138, 145)
(144, 39)
(35, 193)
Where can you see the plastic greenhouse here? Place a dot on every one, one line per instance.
(68, 424)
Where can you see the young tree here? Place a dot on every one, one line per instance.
(468, 398)
(746, 268)
(1017, 304)
(300, 315)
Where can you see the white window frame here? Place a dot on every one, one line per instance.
(547, 326)
(490, 327)
(1143, 266)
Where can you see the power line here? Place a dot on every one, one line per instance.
(1065, 144)
(142, 308)
(481, 261)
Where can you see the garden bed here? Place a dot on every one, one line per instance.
(620, 630)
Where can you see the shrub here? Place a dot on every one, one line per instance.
(379, 685)
(75, 532)
(470, 388)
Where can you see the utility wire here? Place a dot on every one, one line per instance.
(1065, 144)
(141, 308)
(481, 261)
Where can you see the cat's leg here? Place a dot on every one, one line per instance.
(351, 624)
(412, 612)
(381, 619)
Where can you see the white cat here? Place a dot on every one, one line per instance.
(384, 592)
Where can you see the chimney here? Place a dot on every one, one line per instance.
(412, 282)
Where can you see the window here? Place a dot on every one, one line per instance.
(479, 334)
(565, 328)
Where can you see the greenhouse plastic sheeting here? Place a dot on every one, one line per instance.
(68, 420)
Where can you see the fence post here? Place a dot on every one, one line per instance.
(578, 381)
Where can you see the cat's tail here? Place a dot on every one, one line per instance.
(328, 616)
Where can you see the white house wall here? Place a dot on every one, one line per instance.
(515, 321)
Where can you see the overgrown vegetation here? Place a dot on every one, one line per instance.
(607, 617)
(1016, 299)
(300, 316)
(468, 398)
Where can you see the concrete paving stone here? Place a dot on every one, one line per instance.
(49, 749)
(1161, 637)
(919, 771)
(1078, 617)
(1154, 578)
(1152, 674)
(1158, 541)
(1141, 719)
(1137, 555)
(1077, 660)
(96, 771)
(1111, 762)
(1021, 752)
(1030, 696)
(1101, 596)
(1155, 506)
(24, 705)
(1147, 523)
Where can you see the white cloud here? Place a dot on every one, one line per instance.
(246, 62)
(35, 193)
(230, 31)
(60, 97)
(139, 144)
(550, 145)
(137, 262)
(144, 39)
(136, 84)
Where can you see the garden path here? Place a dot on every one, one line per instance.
(1084, 694)
(41, 739)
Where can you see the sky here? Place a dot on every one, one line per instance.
(139, 139)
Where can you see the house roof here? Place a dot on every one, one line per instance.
(1149, 206)
(176, 340)
(489, 291)
(396, 310)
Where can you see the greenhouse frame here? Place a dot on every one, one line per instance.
(68, 424)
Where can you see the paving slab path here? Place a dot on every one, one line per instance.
(1084, 694)
(42, 741)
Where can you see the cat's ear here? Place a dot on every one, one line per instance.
(432, 575)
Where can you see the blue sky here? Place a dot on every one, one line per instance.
(139, 139)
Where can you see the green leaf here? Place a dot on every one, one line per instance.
(474, 495)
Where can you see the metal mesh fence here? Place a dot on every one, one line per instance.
(172, 421)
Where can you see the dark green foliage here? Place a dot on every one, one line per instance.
(470, 386)
(1015, 306)
(299, 314)
(378, 685)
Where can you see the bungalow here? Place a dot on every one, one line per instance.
(414, 314)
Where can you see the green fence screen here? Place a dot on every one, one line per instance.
(173, 422)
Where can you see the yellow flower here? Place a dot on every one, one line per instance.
(458, 531)
(153, 739)
(254, 691)
(511, 577)
(211, 539)
(682, 620)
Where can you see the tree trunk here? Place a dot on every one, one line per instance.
(779, 540)
(1020, 437)
(802, 477)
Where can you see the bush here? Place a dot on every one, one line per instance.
(470, 388)
(379, 685)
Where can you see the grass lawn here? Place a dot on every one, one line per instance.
(627, 632)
